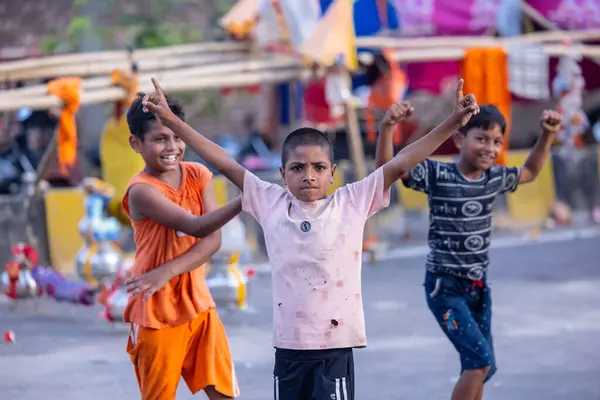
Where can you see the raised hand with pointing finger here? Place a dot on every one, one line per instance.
(464, 107)
(156, 103)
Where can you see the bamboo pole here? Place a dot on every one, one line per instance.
(90, 68)
(122, 56)
(477, 41)
(237, 64)
(264, 62)
(172, 85)
(458, 53)
(99, 63)
(538, 17)
(116, 57)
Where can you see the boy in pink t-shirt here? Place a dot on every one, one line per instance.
(314, 244)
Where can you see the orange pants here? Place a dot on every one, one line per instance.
(197, 350)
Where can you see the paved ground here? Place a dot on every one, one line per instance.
(547, 324)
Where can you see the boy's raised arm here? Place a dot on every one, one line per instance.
(384, 150)
(210, 152)
(551, 121)
(465, 107)
(146, 201)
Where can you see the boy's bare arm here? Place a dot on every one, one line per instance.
(465, 107)
(149, 283)
(551, 121)
(210, 152)
(384, 150)
(147, 202)
(202, 250)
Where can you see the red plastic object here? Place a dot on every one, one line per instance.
(23, 251)
(9, 337)
(250, 273)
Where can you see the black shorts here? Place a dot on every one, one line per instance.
(314, 374)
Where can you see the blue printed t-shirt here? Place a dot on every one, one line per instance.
(460, 214)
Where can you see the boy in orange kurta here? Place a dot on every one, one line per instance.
(175, 329)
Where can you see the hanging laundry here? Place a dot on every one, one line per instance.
(528, 71)
(486, 76)
(509, 17)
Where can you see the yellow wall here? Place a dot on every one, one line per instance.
(411, 199)
(531, 202)
(64, 210)
(338, 178)
(220, 184)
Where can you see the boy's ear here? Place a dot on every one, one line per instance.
(459, 140)
(135, 143)
(333, 169)
(282, 172)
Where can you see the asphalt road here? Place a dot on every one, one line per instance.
(547, 323)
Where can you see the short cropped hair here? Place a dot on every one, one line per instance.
(139, 121)
(488, 117)
(305, 137)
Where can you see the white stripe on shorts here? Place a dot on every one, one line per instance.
(337, 389)
(234, 381)
(276, 388)
(133, 334)
(344, 390)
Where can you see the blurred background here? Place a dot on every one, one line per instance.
(249, 72)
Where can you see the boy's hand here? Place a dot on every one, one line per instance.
(397, 113)
(148, 283)
(465, 106)
(156, 103)
(551, 121)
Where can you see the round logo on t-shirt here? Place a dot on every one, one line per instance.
(305, 226)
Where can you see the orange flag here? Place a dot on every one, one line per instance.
(240, 20)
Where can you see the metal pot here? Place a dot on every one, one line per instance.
(24, 286)
(98, 262)
(233, 241)
(228, 285)
(115, 305)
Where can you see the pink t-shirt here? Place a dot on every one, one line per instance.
(315, 252)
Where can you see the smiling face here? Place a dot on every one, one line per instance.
(160, 148)
(479, 148)
(308, 172)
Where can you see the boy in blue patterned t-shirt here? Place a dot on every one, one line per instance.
(461, 196)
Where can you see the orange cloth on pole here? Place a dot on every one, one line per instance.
(240, 20)
(128, 81)
(485, 71)
(68, 91)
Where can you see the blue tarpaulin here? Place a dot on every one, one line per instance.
(366, 16)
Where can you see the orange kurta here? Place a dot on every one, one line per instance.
(186, 295)
(177, 332)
